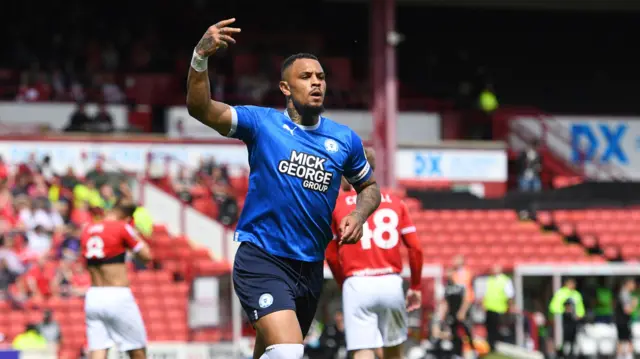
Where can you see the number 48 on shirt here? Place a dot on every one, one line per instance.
(385, 230)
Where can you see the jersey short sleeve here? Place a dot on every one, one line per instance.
(244, 122)
(130, 238)
(357, 169)
(405, 225)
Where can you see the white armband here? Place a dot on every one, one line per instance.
(199, 63)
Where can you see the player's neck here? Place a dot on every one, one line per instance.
(296, 117)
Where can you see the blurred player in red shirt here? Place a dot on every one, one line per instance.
(112, 315)
(373, 300)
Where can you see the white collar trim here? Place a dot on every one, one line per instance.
(303, 127)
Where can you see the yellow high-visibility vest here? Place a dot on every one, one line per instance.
(495, 298)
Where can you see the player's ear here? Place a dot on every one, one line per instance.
(284, 87)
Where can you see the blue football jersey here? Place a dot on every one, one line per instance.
(294, 180)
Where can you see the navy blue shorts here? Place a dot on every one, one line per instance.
(266, 283)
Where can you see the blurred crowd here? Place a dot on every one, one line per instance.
(41, 215)
(209, 188)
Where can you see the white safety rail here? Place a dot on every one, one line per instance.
(593, 338)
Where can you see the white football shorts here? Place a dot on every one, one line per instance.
(113, 318)
(375, 313)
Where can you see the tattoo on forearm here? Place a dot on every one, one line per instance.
(368, 200)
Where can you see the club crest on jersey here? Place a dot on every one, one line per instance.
(309, 168)
(331, 145)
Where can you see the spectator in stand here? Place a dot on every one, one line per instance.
(77, 91)
(530, 167)
(39, 188)
(39, 240)
(80, 214)
(21, 187)
(80, 280)
(70, 246)
(4, 171)
(111, 92)
(87, 193)
(222, 193)
(220, 183)
(206, 166)
(62, 207)
(6, 204)
(182, 183)
(102, 121)
(47, 216)
(30, 339)
(108, 196)
(10, 257)
(142, 221)
(25, 214)
(61, 281)
(29, 91)
(32, 165)
(124, 191)
(97, 174)
(79, 120)
(50, 329)
(38, 278)
(69, 179)
(59, 85)
(46, 169)
(7, 277)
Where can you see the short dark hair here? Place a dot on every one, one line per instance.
(291, 59)
(126, 207)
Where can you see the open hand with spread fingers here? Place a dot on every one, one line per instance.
(217, 37)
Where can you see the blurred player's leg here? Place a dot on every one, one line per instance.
(259, 347)
(394, 352)
(137, 353)
(98, 354)
(360, 321)
(280, 336)
(393, 322)
(364, 354)
(98, 338)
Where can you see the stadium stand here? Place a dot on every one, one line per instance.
(177, 261)
(136, 66)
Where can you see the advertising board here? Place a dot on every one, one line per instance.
(488, 165)
(485, 165)
(54, 115)
(604, 146)
(412, 127)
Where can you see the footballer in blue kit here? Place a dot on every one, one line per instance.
(297, 159)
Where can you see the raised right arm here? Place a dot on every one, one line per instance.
(214, 114)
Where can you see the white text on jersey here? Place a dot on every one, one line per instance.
(308, 168)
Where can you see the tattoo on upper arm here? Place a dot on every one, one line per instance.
(371, 181)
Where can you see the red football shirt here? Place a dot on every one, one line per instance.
(108, 241)
(378, 252)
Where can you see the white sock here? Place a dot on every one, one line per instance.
(284, 351)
